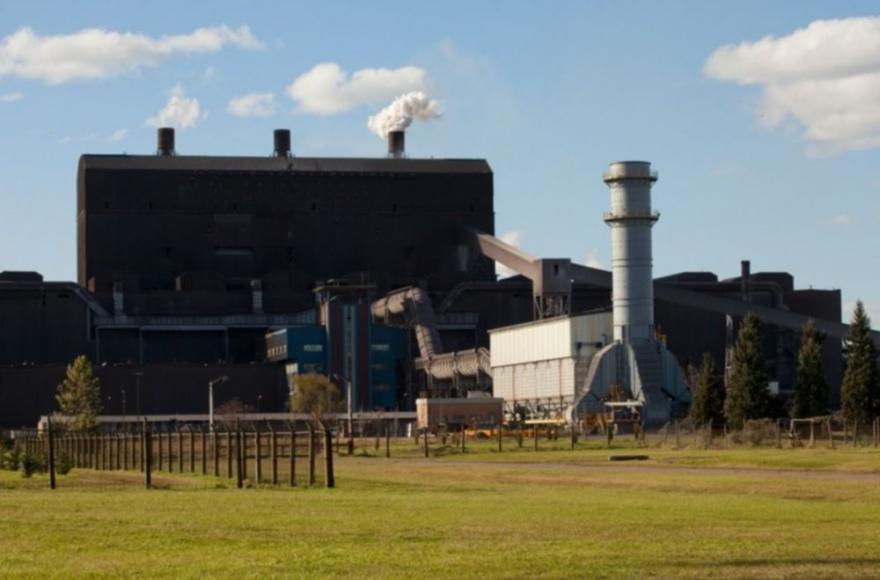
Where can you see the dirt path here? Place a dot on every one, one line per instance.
(647, 468)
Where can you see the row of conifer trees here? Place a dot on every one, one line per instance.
(747, 396)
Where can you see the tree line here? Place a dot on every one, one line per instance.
(746, 395)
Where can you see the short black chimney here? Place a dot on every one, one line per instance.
(282, 143)
(396, 147)
(165, 137)
(746, 280)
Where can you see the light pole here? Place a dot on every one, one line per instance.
(211, 383)
(124, 417)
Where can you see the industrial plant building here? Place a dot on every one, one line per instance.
(378, 272)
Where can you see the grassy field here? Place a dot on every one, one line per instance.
(521, 514)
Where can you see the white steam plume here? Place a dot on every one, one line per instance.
(400, 114)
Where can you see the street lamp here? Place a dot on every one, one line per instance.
(211, 383)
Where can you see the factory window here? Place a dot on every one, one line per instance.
(106, 204)
(314, 207)
(471, 207)
(394, 208)
(150, 205)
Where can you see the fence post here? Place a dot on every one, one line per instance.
(574, 437)
(258, 456)
(329, 478)
(229, 453)
(273, 441)
(159, 438)
(779, 433)
(50, 434)
(179, 434)
(192, 450)
(500, 434)
(535, 435)
(204, 449)
(147, 457)
(425, 438)
(677, 435)
(292, 459)
(238, 458)
(311, 454)
(387, 439)
(215, 454)
(244, 454)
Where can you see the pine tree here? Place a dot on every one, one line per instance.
(810, 389)
(79, 395)
(858, 392)
(708, 401)
(747, 394)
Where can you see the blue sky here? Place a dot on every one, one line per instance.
(766, 150)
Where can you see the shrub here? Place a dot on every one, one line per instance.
(31, 464)
(12, 459)
(63, 463)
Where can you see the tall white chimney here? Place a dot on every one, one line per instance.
(631, 220)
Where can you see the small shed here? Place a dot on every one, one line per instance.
(460, 412)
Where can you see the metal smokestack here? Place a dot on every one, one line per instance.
(396, 144)
(631, 220)
(745, 280)
(165, 141)
(282, 143)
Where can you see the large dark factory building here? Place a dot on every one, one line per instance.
(259, 268)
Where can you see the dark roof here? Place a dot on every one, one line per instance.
(274, 164)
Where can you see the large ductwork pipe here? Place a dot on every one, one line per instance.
(415, 305)
(396, 144)
(165, 141)
(282, 143)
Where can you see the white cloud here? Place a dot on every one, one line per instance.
(327, 89)
(842, 219)
(825, 76)
(180, 111)
(11, 97)
(116, 135)
(514, 238)
(94, 53)
(252, 105)
(65, 140)
(592, 259)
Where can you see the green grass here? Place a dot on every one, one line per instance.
(521, 514)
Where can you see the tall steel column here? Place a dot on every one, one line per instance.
(631, 220)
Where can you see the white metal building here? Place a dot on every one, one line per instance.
(541, 365)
